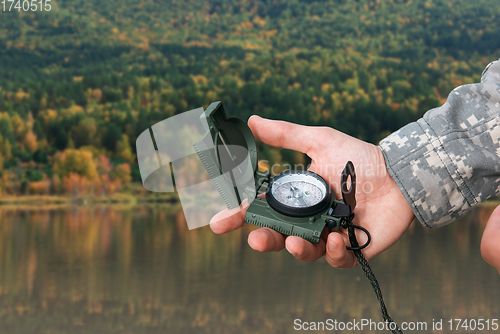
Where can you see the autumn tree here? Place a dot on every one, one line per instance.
(85, 132)
(5, 148)
(123, 149)
(122, 172)
(75, 161)
(30, 142)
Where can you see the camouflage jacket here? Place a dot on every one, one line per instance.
(449, 160)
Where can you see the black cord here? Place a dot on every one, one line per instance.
(366, 243)
(367, 270)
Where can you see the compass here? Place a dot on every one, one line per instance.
(298, 193)
(297, 202)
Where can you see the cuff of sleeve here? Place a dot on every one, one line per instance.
(422, 169)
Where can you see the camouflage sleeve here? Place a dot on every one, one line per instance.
(449, 160)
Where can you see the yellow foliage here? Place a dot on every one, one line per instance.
(5, 148)
(123, 173)
(247, 25)
(71, 111)
(123, 149)
(252, 47)
(76, 184)
(104, 166)
(198, 43)
(72, 161)
(56, 183)
(29, 121)
(43, 103)
(249, 57)
(199, 79)
(18, 126)
(169, 109)
(210, 96)
(30, 142)
(47, 116)
(39, 187)
(97, 94)
(144, 46)
(85, 132)
(20, 95)
(123, 37)
(259, 21)
(271, 32)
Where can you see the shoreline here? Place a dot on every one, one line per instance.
(118, 198)
(61, 200)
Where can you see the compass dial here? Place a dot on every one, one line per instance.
(298, 193)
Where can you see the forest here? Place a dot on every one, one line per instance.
(79, 83)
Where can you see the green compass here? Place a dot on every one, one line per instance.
(297, 202)
(298, 193)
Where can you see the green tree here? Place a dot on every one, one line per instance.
(112, 135)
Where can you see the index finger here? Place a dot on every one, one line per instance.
(284, 134)
(229, 220)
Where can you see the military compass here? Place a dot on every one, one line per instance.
(297, 202)
(298, 193)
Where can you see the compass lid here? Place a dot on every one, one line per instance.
(229, 155)
(232, 138)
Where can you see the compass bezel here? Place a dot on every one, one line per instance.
(290, 211)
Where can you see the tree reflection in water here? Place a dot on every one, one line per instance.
(139, 269)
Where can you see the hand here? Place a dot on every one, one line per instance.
(381, 208)
(490, 243)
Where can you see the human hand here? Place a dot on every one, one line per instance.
(490, 243)
(381, 208)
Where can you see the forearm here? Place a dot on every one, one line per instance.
(449, 160)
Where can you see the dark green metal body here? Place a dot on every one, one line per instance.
(309, 228)
(233, 131)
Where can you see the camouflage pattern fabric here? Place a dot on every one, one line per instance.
(449, 160)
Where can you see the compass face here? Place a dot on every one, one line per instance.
(298, 193)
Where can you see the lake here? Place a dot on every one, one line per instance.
(119, 269)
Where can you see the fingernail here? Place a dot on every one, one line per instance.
(294, 254)
(332, 246)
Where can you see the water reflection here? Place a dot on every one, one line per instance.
(140, 270)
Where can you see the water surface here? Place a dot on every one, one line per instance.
(140, 270)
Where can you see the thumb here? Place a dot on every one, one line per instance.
(490, 243)
(284, 134)
(336, 254)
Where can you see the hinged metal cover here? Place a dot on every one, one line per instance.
(229, 150)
